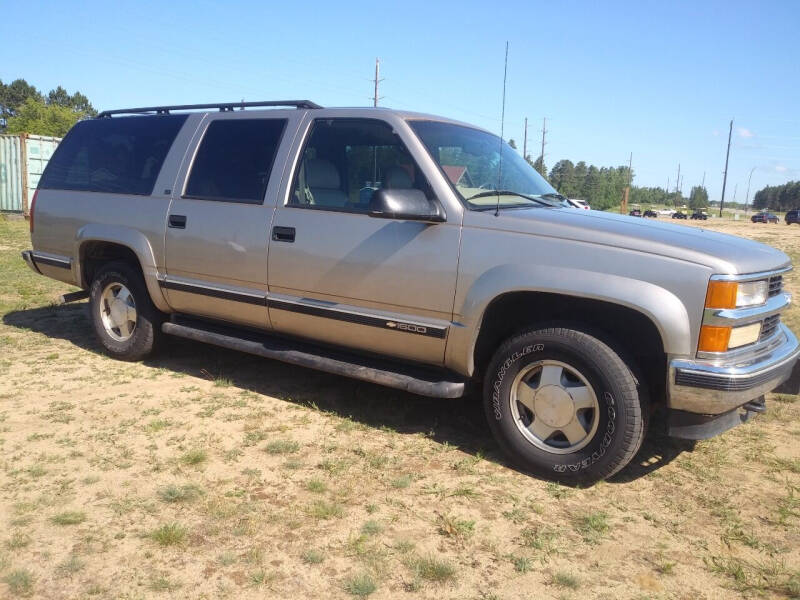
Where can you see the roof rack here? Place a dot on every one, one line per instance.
(223, 107)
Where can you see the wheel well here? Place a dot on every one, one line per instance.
(627, 330)
(94, 255)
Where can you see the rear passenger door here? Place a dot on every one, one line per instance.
(218, 222)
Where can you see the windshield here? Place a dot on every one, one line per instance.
(472, 161)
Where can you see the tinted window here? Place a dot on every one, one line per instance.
(234, 160)
(120, 155)
(346, 160)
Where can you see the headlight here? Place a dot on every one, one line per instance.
(733, 294)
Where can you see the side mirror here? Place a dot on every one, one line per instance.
(404, 204)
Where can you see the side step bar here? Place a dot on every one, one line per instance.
(417, 380)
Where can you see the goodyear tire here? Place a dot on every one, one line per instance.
(563, 405)
(126, 322)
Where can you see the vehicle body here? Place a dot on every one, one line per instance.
(666, 212)
(387, 246)
(650, 213)
(679, 215)
(699, 215)
(575, 203)
(764, 217)
(792, 216)
(636, 212)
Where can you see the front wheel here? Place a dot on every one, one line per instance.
(563, 405)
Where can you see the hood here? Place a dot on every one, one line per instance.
(721, 252)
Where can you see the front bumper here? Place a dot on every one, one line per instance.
(712, 387)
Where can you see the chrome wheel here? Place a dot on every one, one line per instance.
(118, 311)
(554, 406)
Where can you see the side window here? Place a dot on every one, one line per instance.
(120, 155)
(234, 160)
(345, 160)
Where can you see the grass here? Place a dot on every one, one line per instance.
(169, 534)
(522, 564)
(312, 557)
(320, 509)
(71, 517)
(18, 540)
(361, 585)
(592, 526)
(563, 579)
(316, 486)
(179, 493)
(431, 568)
(20, 582)
(371, 528)
(194, 457)
(455, 527)
(282, 446)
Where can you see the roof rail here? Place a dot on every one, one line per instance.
(223, 107)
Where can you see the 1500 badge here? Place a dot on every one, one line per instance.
(407, 327)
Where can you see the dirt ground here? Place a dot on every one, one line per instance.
(204, 473)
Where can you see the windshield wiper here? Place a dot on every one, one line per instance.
(555, 195)
(489, 193)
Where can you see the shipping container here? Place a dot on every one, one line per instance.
(10, 173)
(22, 161)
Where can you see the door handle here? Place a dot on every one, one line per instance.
(283, 234)
(177, 221)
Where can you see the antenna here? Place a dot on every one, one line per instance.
(502, 132)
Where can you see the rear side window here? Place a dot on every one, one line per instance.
(120, 155)
(234, 160)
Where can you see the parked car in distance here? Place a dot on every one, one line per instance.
(575, 203)
(699, 215)
(635, 212)
(679, 215)
(764, 217)
(666, 212)
(275, 228)
(793, 216)
(651, 213)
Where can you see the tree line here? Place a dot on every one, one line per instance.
(24, 109)
(778, 197)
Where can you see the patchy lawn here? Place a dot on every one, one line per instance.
(205, 473)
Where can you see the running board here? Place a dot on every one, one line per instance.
(417, 380)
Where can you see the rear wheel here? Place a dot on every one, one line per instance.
(563, 405)
(126, 322)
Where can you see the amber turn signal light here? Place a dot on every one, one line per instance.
(721, 294)
(714, 339)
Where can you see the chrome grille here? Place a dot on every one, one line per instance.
(775, 285)
(768, 326)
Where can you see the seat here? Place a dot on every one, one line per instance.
(324, 183)
(397, 178)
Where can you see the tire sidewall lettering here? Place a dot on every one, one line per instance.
(501, 373)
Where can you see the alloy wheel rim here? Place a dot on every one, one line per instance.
(554, 406)
(118, 311)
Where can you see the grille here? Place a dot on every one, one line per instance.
(769, 325)
(775, 285)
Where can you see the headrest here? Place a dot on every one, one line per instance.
(397, 178)
(321, 173)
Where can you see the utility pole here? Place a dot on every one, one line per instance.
(677, 183)
(623, 207)
(703, 185)
(525, 141)
(725, 173)
(377, 80)
(747, 197)
(544, 132)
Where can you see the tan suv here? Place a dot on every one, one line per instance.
(415, 252)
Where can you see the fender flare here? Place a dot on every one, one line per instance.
(132, 239)
(663, 308)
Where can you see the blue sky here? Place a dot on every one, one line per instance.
(659, 79)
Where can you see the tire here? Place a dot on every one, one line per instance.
(613, 426)
(141, 333)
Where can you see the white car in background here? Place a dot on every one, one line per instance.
(574, 203)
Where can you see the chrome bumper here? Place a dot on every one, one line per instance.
(714, 387)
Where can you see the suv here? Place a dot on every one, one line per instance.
(699, 215)
(389, 247)
(678, 214)
(650, 213)
(636, 212)
(793, 216)
(764, 217)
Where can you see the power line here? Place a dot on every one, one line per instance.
(525, 140)
(544, 133)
